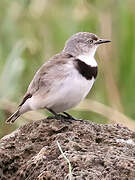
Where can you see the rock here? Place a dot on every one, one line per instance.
(96, 152)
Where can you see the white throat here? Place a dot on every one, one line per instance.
(88, 58)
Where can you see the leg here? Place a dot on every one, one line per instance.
(71, 117)
(68, 116)
(53, 112)
(59, 116)
(56, 116)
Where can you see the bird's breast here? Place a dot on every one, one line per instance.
(86, 70)
(72, 90)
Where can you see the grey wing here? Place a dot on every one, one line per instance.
(53, 70)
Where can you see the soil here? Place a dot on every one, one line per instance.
(96, 152)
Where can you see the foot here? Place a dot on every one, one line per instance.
(71, 117)
(65, 117)
(60, 117)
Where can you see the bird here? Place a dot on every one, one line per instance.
(65, 79)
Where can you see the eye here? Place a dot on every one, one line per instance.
(90, 41)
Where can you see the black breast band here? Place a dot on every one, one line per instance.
(86, 70)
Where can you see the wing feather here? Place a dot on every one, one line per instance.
(47, 74)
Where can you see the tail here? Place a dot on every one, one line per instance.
(13, 117)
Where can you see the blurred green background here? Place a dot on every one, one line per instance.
(31, 31)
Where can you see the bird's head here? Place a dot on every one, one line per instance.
(83, 43)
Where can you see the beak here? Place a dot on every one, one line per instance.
(100, 41)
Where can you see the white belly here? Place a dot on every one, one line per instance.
(73, 90)
(64, 94)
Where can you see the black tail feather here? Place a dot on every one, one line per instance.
(13, 117)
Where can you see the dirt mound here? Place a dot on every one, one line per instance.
(96, 152)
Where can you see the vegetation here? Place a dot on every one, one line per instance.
(31, 31)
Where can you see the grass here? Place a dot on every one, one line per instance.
(69, 164)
